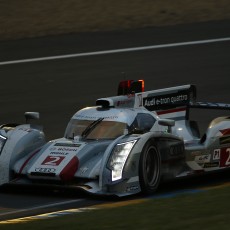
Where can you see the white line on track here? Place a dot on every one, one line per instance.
(133, 49)
(40, 207)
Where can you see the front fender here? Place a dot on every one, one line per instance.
(20, 141)
(129, 184)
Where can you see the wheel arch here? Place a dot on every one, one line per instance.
(170, 149)
(150, 167)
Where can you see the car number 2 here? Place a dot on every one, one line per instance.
(53, 160)
(225, 157)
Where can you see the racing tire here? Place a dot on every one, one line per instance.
(149, 168)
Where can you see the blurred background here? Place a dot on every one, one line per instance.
(58, 88)
(29, 18)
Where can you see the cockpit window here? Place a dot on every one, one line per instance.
(143, 121)
(103, 130)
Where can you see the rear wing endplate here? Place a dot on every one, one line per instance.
(168, 98)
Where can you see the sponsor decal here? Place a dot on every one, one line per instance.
(53, 160)
(67, 145)
(45, 170)
(211, 165)
(83, 170)
(225, 157)
(157, 102)
(95, 118)
(58, 153)
(203, 158)
(67, 149)
(216, 154)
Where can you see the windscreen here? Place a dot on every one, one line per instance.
(103, 130)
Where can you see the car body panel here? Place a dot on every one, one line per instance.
(103, 145)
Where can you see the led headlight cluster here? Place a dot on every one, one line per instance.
(2, 142)
(119, 157)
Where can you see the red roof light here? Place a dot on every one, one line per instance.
(130, 87)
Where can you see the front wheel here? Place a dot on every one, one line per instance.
(149, 168)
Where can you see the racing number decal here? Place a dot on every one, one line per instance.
(225, 157)
(228, 160)
(53, 160)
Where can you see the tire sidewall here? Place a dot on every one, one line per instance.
(150, 150)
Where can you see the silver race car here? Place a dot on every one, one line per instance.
(124, 145)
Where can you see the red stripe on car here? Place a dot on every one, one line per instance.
(27, 160)
(225, 132)
(70, 169)
(171, 111)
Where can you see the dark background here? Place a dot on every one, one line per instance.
(58, 88)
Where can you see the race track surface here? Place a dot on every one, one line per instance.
(58, 88)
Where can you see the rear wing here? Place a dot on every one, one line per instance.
(168, 98)
(209, 105)
(173, 102)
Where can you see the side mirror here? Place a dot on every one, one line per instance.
(31, 115)
(137, 131)
(167, 122)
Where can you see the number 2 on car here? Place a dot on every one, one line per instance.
(225, 157)
(53, 160)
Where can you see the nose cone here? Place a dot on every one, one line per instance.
(59, 161)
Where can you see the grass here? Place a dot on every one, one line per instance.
(29, 18)
(205, 210)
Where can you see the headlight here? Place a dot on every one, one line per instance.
(119, 157)
(2, 142)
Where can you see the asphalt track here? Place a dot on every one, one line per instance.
(58, 88)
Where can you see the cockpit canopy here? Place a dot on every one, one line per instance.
(103, 130)
(94, 123)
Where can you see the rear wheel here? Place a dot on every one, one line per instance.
(150, 168)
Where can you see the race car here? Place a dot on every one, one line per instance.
(125, 144)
